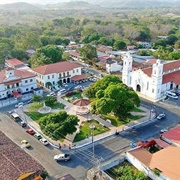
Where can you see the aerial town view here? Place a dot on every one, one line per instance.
(89, 90)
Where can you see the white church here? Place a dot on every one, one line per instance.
(152, 82)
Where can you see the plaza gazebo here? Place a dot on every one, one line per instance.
(82, 106)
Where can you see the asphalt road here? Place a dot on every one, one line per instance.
(83, 159)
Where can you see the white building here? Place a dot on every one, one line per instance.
(113, 66)
(15, 82)
(61, 72)
(152, 82)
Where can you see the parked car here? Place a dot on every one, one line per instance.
(161, 116)
(171, 95)
(163, 130)
(78, 87)
(19, 105)
(44, 141)
(61, 91)
(176, 92)
(37, 136)
(23, 124)
(30, 131)
(26, 143)
(62, 157)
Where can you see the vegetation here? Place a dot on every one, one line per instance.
(85, 130)
(114, 27)
(126, 171)
(58, 125)
(112, 96)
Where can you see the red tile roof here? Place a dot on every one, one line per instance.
(20, 74)
(14, 161)
(171, 65)
(174, 76)
(142, 155)
(147, 71)
(150, 61)
(72, 53)
(173, 134)
(14, 62)
(103, 58)
(79, 77)
(166, 160)
(162, 143)
(56, 67)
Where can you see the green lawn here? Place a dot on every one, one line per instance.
(137, 110)
(86, 131)
(35, 115)
(57, 105)
(115, 121)
(74, 96)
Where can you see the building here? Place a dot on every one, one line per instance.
(114, 65)
(151, 82)
(161, 165)
(16, 163)
(14, 82)
(172, 136)
(57, 73)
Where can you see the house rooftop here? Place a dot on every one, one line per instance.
(14, 62)
(15, 161)
(56, 68)
(167, 160)
(173, 134)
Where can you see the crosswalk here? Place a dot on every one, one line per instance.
(86, 155)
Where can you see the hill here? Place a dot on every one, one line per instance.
(20, 6)
(135, 3)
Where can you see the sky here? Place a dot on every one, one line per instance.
(33, 1)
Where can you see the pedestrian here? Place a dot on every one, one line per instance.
(59, 146)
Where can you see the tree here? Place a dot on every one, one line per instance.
(160, 42)
(30, 41)
(46, 55)
(19, 54)
(48, 84)
(58, 125)
(38, 59)
(112, 96)
(119, 45)
(52, 52)
(171, 39)
(174, 55)
(50, 100)
(88, 51)
(37, 98)
(66, 56)
(177, 45)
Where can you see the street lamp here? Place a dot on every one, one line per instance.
(92, 127)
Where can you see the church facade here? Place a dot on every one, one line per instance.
(152, 82)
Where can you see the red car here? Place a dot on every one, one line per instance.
(30, 131)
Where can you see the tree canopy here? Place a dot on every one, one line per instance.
(46, 55)
(112, 96)
(58, 125)
(88, 51)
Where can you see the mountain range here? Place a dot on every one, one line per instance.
(103, 3)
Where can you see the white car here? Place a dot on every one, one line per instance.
(62, 157)
(161, 116)
(44, 141)
(78, 87)
(19, 105)
(163, 130)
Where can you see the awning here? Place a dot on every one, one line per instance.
(16, 94)
(78, 77)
